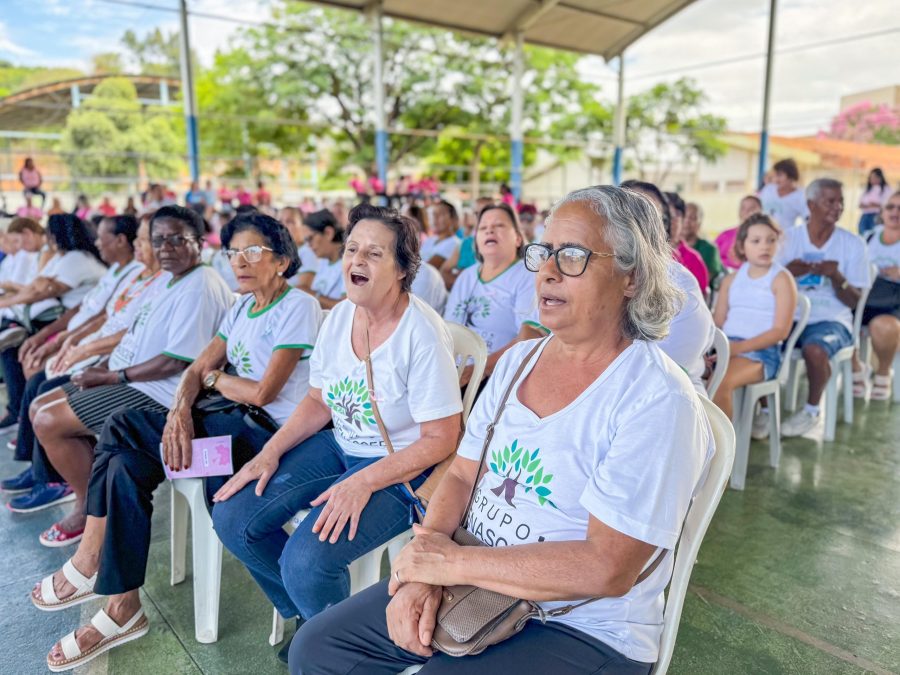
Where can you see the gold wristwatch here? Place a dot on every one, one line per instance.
(209, 382)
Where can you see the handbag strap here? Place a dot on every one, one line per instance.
(370, 384)
(489, 432)
(559, 611)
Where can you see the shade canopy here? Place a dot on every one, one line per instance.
(602, 27)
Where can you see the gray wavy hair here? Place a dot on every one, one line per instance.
(635, 233)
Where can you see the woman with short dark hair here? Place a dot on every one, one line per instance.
(784, 198)
(326, 239)
(349, 476)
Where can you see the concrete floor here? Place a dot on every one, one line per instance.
(799, 573)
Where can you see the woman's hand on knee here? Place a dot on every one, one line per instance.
(261, 468)
(177, 437)
(427, 559)
(344, 503)
(411, 616)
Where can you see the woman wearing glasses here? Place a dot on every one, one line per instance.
(496, 297)
(325, 237)
(262, 345)
(589, 474)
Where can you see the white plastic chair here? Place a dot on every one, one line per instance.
(188, 496)
(699, 515)
(723, 355)
(745, 399)
(865, 356)
(365, 571)
(841, 380)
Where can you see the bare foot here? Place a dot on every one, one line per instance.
(61, 585)
(74, 521)
(120, 610)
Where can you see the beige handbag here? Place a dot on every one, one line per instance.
(471, 619)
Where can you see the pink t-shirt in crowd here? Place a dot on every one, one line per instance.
(725, 243)
(31, 178)
(376, 184)
(694, 262)
(32, 212)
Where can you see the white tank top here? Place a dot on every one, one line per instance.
(751, 303)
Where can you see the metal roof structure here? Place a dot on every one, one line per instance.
(47, 105)
(601, 27)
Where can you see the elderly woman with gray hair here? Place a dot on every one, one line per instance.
(595, 443)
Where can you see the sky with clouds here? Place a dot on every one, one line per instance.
(808, 83)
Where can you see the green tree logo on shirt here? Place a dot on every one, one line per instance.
(239, 357)
(471, 308)
(529, 474)
(350, 400)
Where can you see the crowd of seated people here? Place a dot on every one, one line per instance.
(317, 339)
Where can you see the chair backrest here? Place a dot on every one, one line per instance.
(698, 518)
(803, 306)
(468, 345)
(723, 355)
(861, 305)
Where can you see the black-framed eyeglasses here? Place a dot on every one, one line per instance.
(173, 240)
(252, 254)
(571, 260)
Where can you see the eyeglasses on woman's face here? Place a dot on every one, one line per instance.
(173, 240)
(571, 260)
(252, 254)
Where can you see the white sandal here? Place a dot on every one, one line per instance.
(84, 590)
(881, 387)
(861, 382)
(113, 636)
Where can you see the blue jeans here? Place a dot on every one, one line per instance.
(301, 575)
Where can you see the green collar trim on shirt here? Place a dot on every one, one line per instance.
(252, 315)
(172, 282)
(482, 281)
(883, 242)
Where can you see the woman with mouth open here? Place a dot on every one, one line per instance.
(495, 298)
(591, 468)
(350, 478)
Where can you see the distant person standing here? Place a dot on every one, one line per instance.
(263, 197)
(31, 181)
(872, 200)
(783, 198)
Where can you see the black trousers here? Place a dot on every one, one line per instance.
(27, 445)
(128, 468)
(352, 637)
(13, 375)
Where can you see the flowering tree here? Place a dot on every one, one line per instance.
(867, 123)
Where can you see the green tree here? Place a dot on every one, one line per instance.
(666, 126)
(109, 135)
(107, 63)
(156, 53)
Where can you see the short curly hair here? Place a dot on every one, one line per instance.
(276, 235)
(406, 237)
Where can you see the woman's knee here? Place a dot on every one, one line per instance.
(231, 522)
(309, 648)
(884, 328)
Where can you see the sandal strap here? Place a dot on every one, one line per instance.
(70, 647)
(48, 594)
(882, 380)
(76, 578)
(109, 628)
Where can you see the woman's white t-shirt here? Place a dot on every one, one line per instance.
(787, 209)
(429, 285)
(96, 300)
(329, 280)
(692, 329)
(433, 246)
(630, 451)
(883, 255)
(78, 270)
(178, 322)
(308, 263)
(251, 338)
(414, 372)
(495, 309)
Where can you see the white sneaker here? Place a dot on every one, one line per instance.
(799, 423)
(760, 428)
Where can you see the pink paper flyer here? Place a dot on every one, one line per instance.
(211, 457)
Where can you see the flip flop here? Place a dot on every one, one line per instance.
(84, 590)
(56, 537)
(113, 636)
(881, 387)
(861, 382)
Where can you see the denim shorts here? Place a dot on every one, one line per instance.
(770, 357)
(831, 336)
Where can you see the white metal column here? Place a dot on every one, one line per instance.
(515, 132)
(188, 95)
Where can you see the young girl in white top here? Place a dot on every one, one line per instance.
(755, 308)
